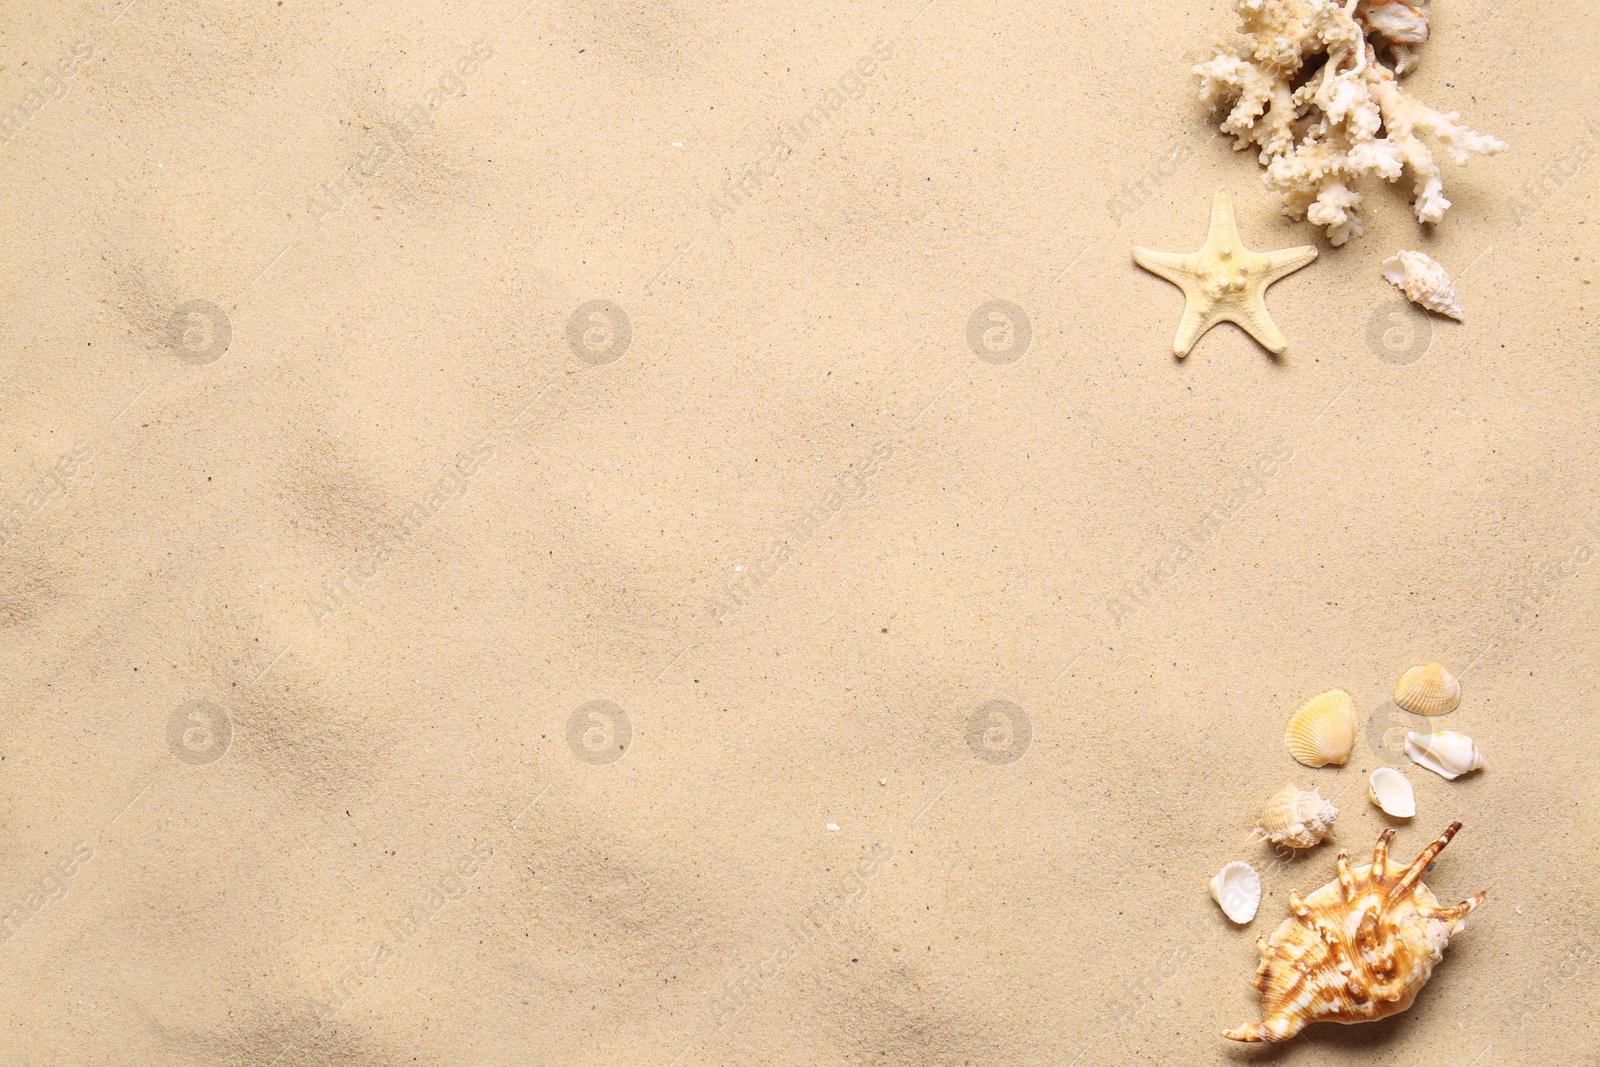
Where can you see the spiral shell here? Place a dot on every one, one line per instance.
(1424, 281)
(1358, 949)
(1297, 817)
(1444, 752)
(1428, 690)
(1323, 731)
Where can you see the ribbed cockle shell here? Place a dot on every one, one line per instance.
(1358, 949)
(1323, 730)
(1428, 690)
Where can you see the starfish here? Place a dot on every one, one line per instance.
(1225, 281)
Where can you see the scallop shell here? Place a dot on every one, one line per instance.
(1323, 731)
(1424, 281)
(1444, 752)
(1428, 690)
(1391, 791)
(1297, 817)
(1237, 890)
(1358, 949)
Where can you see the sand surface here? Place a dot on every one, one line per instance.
(409, 660)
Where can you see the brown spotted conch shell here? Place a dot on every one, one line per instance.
(1358, 949)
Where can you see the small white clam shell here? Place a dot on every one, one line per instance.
(1237, 889)
(1444, 752)
(1391, 791)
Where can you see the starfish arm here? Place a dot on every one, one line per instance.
(1175, 268)
(1223, 227)
(1196, 321)
(1253, 317)
(1287, 261)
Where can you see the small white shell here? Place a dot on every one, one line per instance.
(1391, 791)
(1444, 752)
(1396, 22)
(1299, 818)
(1424, 282)
(1237, 889)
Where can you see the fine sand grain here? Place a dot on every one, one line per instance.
(672, 534)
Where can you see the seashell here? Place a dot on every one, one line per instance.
(1428, 690)
(1444, 752)
(1424, 282)
(1395, 21)
(1358, 949)
(1297, 817)
(1323, 731)
(1237, 889)
(1391, 791)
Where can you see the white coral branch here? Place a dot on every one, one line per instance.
(1339, 110)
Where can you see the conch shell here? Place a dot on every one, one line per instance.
(1428, 690)
(1424, 281)
(1358, 949)
(1297, 817)
(1444, 752)
(1323, 731)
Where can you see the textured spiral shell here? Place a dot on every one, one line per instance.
(1358, 949)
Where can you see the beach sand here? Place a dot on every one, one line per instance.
(534, 542)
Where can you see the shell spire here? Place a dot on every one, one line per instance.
(1358, 949)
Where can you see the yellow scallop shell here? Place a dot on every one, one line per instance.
(1428, 690)
(1323, 731)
